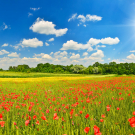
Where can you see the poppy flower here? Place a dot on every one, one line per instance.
(34, 117)
(43, 117)
(27, 122)
(101, 120)
(132, 121)
(37, 122)
(2, 123)
(86, 130)
(87, 115)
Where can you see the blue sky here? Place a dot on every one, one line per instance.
(66, 32)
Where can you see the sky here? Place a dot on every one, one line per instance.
(66, 32)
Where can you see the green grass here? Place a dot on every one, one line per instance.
(66, 93)
(4, 74)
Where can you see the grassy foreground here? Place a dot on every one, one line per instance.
(67, 106)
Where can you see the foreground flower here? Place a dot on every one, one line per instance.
(87, 115)
(132, 121)
(27, 122)
(96, 130)
(2, 123)
(86, 130)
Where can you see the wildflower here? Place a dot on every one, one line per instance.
(87, 115)
(86, 130)
(101, 120)
(27, 122)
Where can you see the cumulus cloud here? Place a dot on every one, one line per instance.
(77, 56)
(73, 17)
(14, 54)
(34, 9)
(46, 56)
(83, 18)
(31, 43)
(99, 53)
(46, 27)
(3, 52)
(46, 44)
(63, 53)
(108, 40)
(4, 45)
(85, 54)
(131, 56)
(72, 45)
(51, 39)
(75, 61)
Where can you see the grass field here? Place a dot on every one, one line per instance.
(5, 74)
(67, 106)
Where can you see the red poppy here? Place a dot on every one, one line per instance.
(27, 122)
(87, 115)
(43, 117)
(86, 130)
(34, 117)
(101, 120)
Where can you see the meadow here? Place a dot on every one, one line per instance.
(67, 105)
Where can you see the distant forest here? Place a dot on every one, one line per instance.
(96, 68)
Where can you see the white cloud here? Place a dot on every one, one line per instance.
(51, 53)
(109, 59)
(13, 54)
(114, 49)
(46, 56)
(46, 44)
(3, 52)
(93, 41)
(108, 40)
(118, 61)
(56, 53)
(31, 43)
(51, 39)
(30, 14)
(93, 17)
(89, 18)
(99, 53)
(38, 55)
(34, 9)
(84, 25)
(4, 45)
(75, 61)
(72, 45)
(73, 17)
(85, 54)
(5, 26)
(131, 56)
(63, 53)
(46, 27)
(77, 56)
(132, 51)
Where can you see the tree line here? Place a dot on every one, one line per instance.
(96, 68)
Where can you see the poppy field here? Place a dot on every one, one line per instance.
(68, 106)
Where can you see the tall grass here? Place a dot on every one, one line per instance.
(58, 106)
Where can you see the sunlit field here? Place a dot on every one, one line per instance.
(67, 106)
